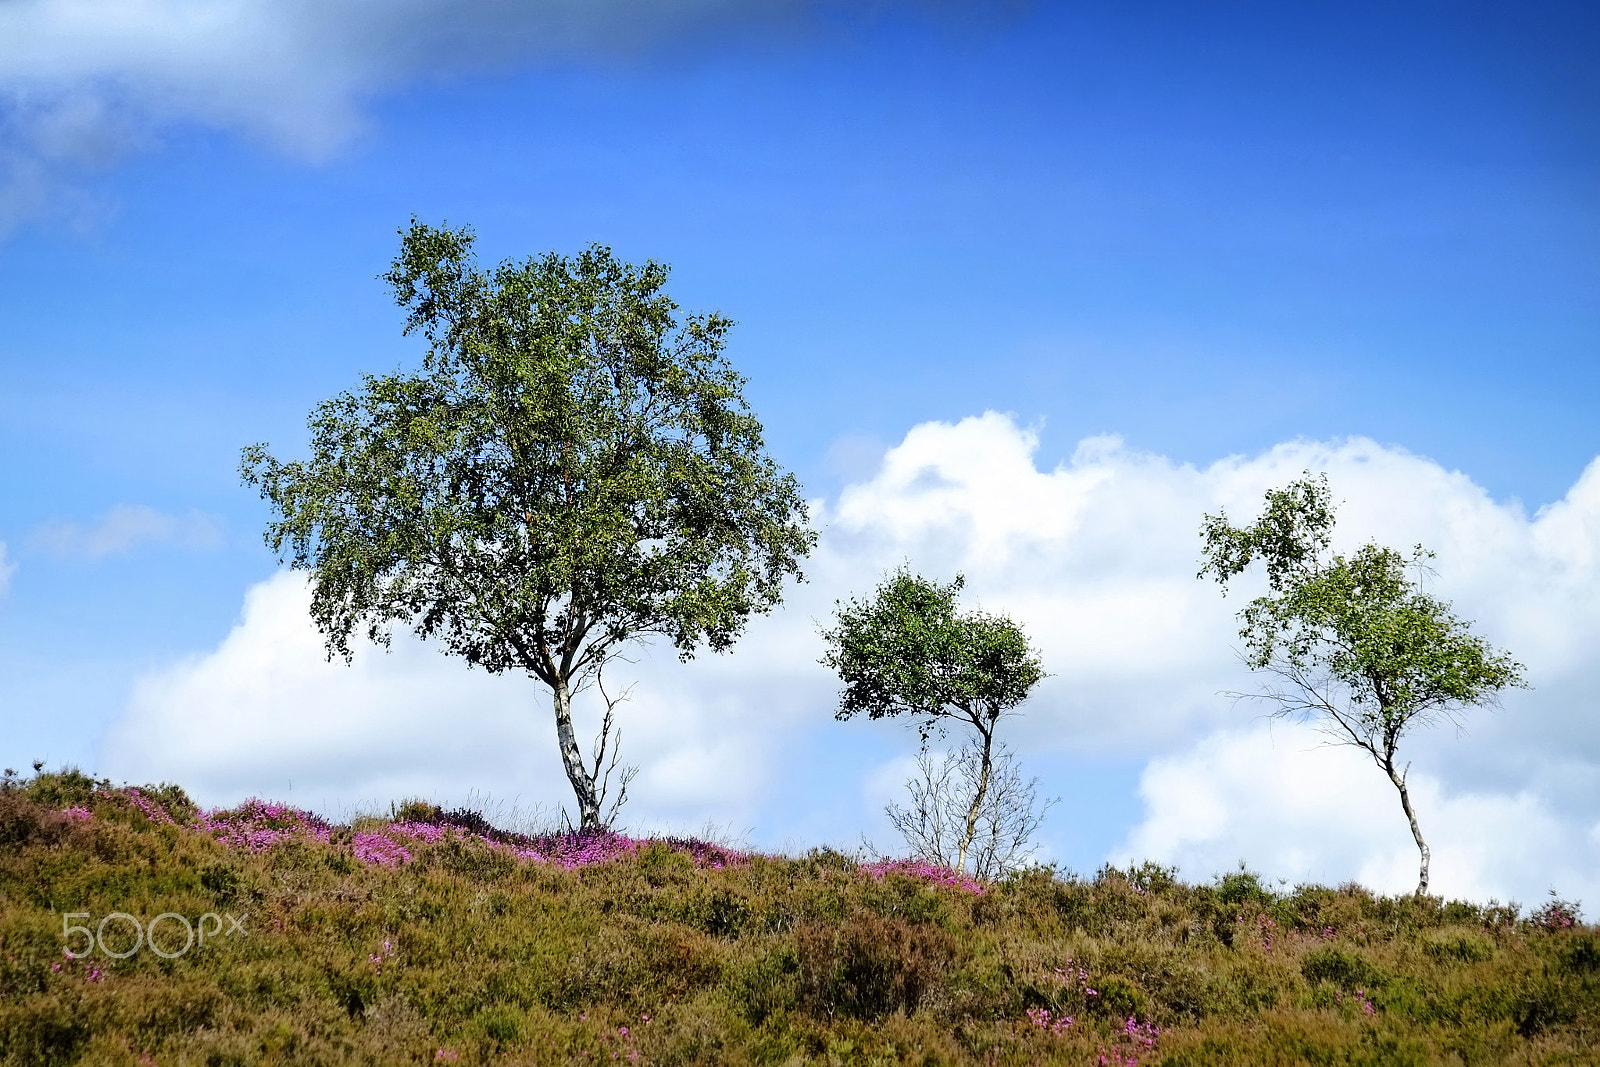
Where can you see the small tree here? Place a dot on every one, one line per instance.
(1354, 642)
(909, 651)
(573, 468)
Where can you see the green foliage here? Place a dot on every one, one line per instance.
(1357, 633)
(910, 651)
(1341, 967)
(574, 467)
(1459, 945)
(772, 959)
(869, 967)
(1356, 643)
(1243, 888)
(62, 789)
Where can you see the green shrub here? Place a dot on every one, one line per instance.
(1458, 945)
(869, 967)
(495, 960)
(502, 1024)
(1342, 968)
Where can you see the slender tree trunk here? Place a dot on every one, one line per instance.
(572, 757)
(1399, 780)
(977, 801)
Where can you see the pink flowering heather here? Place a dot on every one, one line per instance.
(385, 847)
(1557, 914)
(579, 850)
(256, 826)
(706, 855)
(379, 958)
(1073, 972)
(151, 810)
(570, 851)
(1266, 929)
(1362, 1001)
(379, 850)
(923, 871)
(78, 812)
(422, 831)
(1138, 1039)
(1053, 1024)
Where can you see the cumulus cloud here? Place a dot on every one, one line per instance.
(1096, 558)
(126, 528)
(1292, 807)
(266, 712)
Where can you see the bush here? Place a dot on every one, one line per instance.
(869, 967)
(500, 949)
(1466, 947)
(1557, 915)
(1342, 968)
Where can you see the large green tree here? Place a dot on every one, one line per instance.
(1354, 642)
(574, 467)
(909, 650)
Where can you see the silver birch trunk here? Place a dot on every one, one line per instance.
(572, 758)
(1399, 780)
(977, 801)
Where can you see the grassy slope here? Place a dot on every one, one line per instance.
(657, 958)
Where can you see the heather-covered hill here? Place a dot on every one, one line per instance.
(265, 935)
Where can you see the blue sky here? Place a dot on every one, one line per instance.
(1208, 229)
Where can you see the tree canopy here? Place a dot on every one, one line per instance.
(574, 467)
(909, 650)
(1356, 643)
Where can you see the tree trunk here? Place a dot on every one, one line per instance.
(572, 757)
(977, 801)
(1399, 780)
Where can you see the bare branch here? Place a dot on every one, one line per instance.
(935, 823)
(610, 734)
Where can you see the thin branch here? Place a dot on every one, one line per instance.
(610, 734)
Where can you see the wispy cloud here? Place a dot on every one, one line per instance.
(7, 569)
(81, 83)
(125, 528)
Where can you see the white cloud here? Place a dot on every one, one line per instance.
(1293, 808)
(7, 569)
(1097, 559)
(83, 81)
(266, 709)
(126, 528)
(296, 71)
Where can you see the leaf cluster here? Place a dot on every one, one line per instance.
(574, 465)
(1356, 636)
(909, 650)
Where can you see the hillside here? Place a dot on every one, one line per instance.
(434, 938)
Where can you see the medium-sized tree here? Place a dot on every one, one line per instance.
(909, 650)
(1354, 642)
(573, 468)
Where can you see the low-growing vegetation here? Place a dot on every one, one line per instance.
(433, 937)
